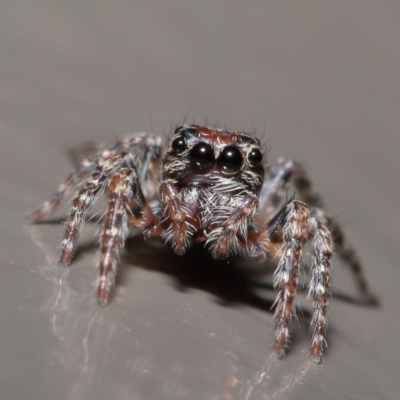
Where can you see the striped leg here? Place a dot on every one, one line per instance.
(272, 195)
(146, 153)
(114, 231)
(291, 228)
(223, 239)
(180, 229)
(63, 191)
(295, 233)
(348, 254)
(319, 289)
(276, 183)
(85, 199)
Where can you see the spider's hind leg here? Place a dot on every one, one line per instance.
(349, 256)
(145, 150)
(63, 191)
(84, 200)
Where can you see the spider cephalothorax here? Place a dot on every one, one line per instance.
(217, 176)
(210, 186)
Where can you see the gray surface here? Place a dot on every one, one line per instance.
(320, 81)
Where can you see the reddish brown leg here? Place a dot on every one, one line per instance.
(320, 284)
(225, 233)
(295, 233)
(85, 199)
(141, 215)
(64, 190)
(180, 229)
(349, 255)
(274, 191)
(114, 231)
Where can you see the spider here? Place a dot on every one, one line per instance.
(211, 187)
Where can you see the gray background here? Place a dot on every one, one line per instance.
(319, 80)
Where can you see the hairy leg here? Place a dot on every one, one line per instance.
(274, 192)
(348, 254)
(319, 288)
(295, 233)
(224, 237)
(114, 231)
(63, 191)
(180, 229)
(283, 237)
(275, 187)
(145, 151)
(84, 200)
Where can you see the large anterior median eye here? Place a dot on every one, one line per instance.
(179, 145)
(202, 155)
(230, 160)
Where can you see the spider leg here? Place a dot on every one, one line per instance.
(274, 189)
(348, 254)
(85, 158)
(223, 237)
(181, 228)
(284, 237)
(146, 150)
(64, 190)
(294, 235)
(319, 288)
(141, 215)
(146, 153)
(114, 231)
(84, 200)
(273, 193)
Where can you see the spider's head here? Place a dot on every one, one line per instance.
(214, 158)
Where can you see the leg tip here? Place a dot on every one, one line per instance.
(280, 355)
(102, 302)
(102, 297)
(279, 349)
(30, 219)
(63, 264)
(317, 360)
(373, 300)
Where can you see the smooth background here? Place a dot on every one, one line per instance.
(318, 80)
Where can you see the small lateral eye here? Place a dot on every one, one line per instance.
(189, 130)
(255, 157)
(179, 145)
(230, 160)
(202, 155)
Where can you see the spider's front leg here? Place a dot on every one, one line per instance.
(126, 201)
(275, 189)
(114, 231)
(225, 235)
(181, 226)
(294, 235)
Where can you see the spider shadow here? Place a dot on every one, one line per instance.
(233, 282)
(228, 280)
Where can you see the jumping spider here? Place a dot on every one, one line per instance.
(211, 187)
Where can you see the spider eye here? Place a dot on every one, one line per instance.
(188, 129)
(255, 157)
(230, 160)
(202, 155)
(179, 145)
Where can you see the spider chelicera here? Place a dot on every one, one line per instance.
(211, 187)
